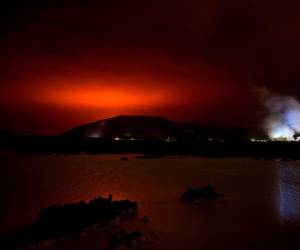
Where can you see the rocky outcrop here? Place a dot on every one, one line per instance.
(205, 193)
(58, 221)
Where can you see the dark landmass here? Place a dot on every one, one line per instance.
(153, 137)
(156, 128)
(151, 149)
(58, 221)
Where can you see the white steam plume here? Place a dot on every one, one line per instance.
(283, 118)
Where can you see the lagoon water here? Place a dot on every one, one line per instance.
(261, 211)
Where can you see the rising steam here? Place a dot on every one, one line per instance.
(283, 117)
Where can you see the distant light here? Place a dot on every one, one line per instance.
(169, 139)
(95, 135)
(117, 139)
(257, 140)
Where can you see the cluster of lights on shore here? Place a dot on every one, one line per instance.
(168, 139)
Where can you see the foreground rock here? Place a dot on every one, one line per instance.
(58, 221)
(205, 193)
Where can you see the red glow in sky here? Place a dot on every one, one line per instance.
(64, 99)
(65, 63)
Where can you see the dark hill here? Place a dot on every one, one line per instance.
(155, 128)
(126, 127)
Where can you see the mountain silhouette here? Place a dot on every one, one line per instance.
(126, 127)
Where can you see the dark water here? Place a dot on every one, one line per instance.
(262, 209)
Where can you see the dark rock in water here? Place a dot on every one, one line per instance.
(197, 194)
(144, 220)
(58, 221)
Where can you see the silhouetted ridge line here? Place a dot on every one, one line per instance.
(155, 128)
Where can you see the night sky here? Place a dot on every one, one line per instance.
(63, 63)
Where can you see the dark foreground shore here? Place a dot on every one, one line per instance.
(152, 149)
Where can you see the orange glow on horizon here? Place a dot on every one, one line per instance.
(123, 94)
(110, 98)
(82, 98)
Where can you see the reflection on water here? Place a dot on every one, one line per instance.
(288, 191)
(260, 196)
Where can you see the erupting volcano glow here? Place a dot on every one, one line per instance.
(106, 98)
